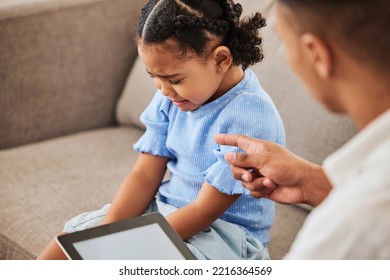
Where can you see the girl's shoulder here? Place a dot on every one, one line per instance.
(249, 104)
(252, 114)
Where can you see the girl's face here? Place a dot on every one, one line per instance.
(189, 82)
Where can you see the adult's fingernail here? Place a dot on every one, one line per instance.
(230, 157)
(245, 177)
(268, 183)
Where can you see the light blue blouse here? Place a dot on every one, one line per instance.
(187, 139)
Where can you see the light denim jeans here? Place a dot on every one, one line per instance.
(219, 241)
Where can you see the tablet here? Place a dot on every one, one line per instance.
(147, 237)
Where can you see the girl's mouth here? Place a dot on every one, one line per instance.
(179, 103)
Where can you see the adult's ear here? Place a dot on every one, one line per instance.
(319, 54)
(223, 58)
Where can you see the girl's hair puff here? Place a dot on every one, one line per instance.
(195, 23)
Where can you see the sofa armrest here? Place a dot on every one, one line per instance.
(63, 65)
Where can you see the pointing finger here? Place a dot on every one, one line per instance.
(241, 141)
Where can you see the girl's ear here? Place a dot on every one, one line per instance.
(319, 54)
(223, 58)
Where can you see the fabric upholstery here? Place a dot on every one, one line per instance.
(47, 183)
(136, 95)
(62, 71)
(288, 220)
(21, 8)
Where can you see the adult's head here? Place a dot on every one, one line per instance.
(333, 45)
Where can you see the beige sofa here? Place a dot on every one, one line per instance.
(70, 98)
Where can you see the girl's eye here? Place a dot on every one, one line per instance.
(174, 82)
(170, 81)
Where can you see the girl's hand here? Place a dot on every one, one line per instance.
(209, 205)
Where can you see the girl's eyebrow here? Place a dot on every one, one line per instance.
(162, 76)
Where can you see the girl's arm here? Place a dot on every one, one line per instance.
(138, 189)
(209, 205)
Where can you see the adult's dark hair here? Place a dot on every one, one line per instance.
(195, 23)
(360, 27)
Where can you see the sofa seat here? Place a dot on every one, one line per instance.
(288, 220)
(44, 177)
(45, 181)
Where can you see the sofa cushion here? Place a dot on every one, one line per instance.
(46, 183)
(63, 65)
(136, 95)
(288, 221)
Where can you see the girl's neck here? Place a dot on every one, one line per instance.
(232, 77)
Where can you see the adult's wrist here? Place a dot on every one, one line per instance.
(316, 186)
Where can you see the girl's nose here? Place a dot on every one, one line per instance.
(166, 89)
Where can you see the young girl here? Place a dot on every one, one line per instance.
(198, 53)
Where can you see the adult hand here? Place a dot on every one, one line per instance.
(277, 173)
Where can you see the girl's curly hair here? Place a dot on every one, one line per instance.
(196, 23)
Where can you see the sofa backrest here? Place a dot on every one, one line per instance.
(63, 64)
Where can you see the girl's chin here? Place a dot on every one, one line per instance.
(186, 105)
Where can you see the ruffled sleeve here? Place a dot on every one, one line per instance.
(251, 115)
(155, 119)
